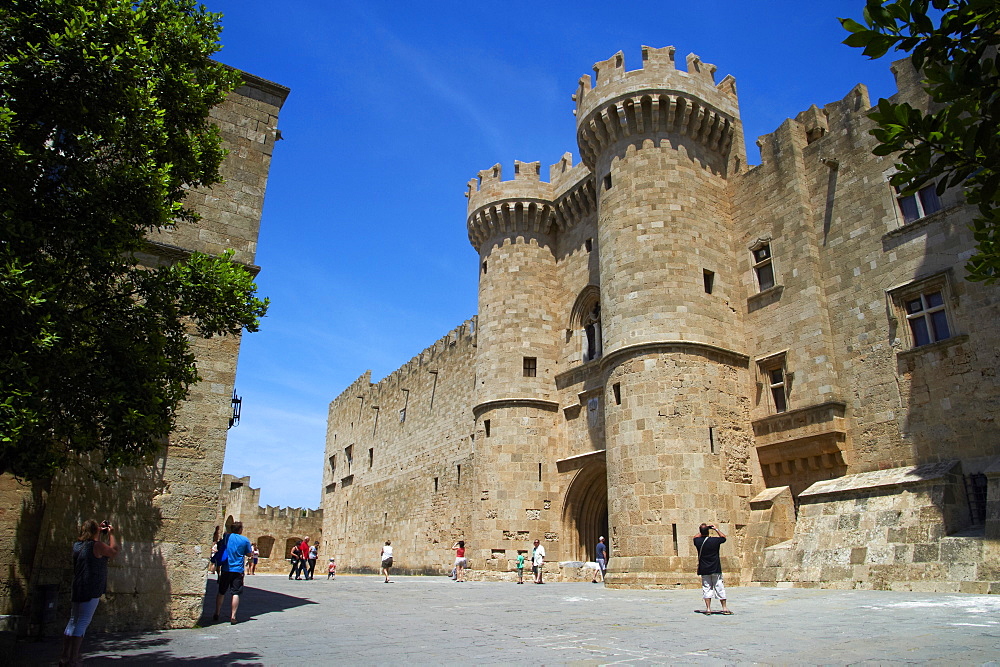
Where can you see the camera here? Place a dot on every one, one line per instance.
(104, 526)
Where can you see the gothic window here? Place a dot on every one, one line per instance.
(592, 333)
(585, 324)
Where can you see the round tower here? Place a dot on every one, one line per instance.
(661, 144)
(512, 225)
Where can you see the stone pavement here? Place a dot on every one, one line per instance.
(433, 620)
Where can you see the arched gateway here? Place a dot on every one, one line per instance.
(585, 511)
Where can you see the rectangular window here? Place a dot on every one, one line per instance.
(349, 457)
(773, 380)
(616, 389)
(589, 244)
(709, 278)
(530, 367)
(776, 381)
(924, 305)
(928, 320)
(607, 182)
(919, 205)
(484, 266)
(763, 267)
(333, 464)
(486, 427)
(371, 456)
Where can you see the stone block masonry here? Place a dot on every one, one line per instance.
(164, 512)
(666, 335)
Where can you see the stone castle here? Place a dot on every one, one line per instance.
(668, 335)
(164, 512)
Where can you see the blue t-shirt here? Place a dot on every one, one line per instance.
(236, 548)
(602, 551)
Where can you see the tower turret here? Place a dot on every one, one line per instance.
(512, 224)
(661, 144)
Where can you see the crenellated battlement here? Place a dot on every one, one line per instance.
(490, 187)
(527, 203)
(655, 98)
(431, 357)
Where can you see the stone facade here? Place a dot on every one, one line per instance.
(667, 335)
(164, 513)
(275, 530)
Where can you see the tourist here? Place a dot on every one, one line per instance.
(602, 560)
(460, 561)
(710, 567)
(90, 579)
(331, 569)
(303, 558)
(215, 546)
(236, 547)
(386, 558)
(538, 561)
(254, 557)
(313, 555)
(295, 557)
(520, 567)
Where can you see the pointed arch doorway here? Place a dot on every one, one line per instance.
(585, 512)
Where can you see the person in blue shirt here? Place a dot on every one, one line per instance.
(231, 576)
(602, 560)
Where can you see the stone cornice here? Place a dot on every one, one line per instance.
(736, 358)
(550, 406)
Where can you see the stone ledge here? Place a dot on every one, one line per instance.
(912, 475)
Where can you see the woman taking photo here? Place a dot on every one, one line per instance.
(90, 578)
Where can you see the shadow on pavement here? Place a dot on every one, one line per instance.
(153, 647)
(254, 602)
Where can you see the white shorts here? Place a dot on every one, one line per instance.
(461, 562)
(711, 586)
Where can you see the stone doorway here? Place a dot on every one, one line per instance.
(585, 514)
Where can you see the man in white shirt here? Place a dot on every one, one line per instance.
(537, 561)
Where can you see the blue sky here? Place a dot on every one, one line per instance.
(394, 107)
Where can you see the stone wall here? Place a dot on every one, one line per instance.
(274, 530)
(669, 336)
(164, 512)
(401, 463)
(898, 529)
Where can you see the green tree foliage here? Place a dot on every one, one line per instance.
(103, 129)
(954, 45)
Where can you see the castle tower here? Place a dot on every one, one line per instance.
(662, 144)
(512, 225)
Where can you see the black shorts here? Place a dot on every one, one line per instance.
(387, 563)
(231, 580)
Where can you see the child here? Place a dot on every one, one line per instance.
(331, 570)
(520, 568)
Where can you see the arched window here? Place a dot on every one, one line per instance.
(592, 333)
(289, 543)
(585, 323)
(264, 545)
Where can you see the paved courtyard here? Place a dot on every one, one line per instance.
(433, 620)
